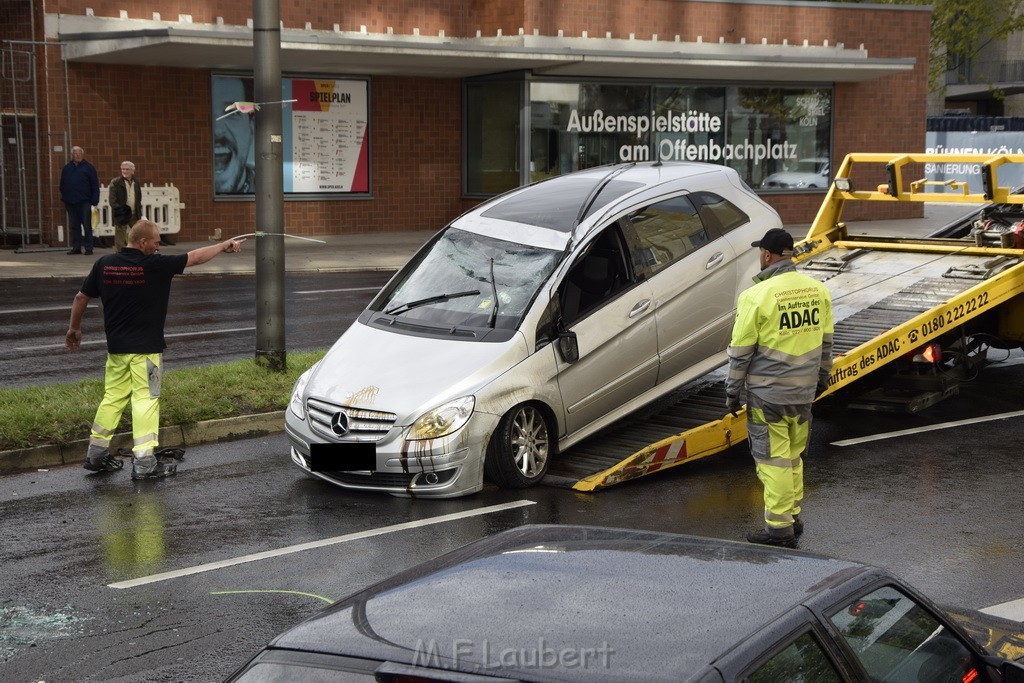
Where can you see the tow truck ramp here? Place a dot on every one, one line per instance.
(891, 295)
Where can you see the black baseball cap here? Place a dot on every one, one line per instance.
(776, 241)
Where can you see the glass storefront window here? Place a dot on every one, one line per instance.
(492, 136)
(777, 138)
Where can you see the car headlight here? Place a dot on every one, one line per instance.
(443, 420)
(295, 404)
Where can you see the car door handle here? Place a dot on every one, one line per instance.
(640, 307)
(714, 261)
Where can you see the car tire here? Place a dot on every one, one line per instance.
(520, 449)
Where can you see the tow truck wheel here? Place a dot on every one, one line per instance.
(517, 456)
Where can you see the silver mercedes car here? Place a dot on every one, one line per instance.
(528, 324)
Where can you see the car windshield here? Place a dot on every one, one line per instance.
(458, 280)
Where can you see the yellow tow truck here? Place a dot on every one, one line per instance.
(904, 306)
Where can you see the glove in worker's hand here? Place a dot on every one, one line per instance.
(732, 404)
(822, 387)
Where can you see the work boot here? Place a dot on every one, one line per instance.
(162, 469)
(798, 526)
(781, 536)
(99, 459)
(107, 463)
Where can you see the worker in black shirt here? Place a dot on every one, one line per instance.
(134, 285)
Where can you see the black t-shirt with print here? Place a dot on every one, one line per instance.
(134, 289)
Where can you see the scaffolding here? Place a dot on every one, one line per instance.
(24, 137)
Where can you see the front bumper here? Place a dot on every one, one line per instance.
(448, 467)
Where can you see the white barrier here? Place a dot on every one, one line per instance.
(159, 204)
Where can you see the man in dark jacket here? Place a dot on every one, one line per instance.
(125, 197)
(80, 191)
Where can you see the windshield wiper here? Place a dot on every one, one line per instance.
(494, 308)
(402, 308)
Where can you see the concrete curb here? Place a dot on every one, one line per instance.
(180, 436)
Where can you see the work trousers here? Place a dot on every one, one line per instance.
(134, 376)
(778, 436)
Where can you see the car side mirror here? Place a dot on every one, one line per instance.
(568, 346)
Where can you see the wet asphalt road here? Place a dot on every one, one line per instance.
(940, 508)
(210, 319)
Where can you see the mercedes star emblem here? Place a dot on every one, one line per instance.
(339, 423)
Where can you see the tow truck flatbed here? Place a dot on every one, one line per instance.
(891, 295)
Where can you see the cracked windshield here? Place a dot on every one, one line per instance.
(472, 280)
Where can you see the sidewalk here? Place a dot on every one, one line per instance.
(364, 251)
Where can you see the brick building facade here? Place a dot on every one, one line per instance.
(133, 81)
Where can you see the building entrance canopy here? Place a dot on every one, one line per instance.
(219, 46)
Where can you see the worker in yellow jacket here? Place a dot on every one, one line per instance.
(781, 353)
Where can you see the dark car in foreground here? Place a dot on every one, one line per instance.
(558, 603)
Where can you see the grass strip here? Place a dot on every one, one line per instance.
(60, 413)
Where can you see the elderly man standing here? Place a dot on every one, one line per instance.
(782, 351)
(80, 191)
(125, 203)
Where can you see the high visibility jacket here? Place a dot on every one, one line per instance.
(782, 337)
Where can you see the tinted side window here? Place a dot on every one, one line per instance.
(668, 231)
(718, 213)
(802, 661)
(896, 639)
(596, 277)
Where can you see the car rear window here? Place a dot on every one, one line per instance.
(556, 203)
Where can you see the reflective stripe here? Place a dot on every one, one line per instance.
(102, 442)
(100, 431)
(741, 350)
(770, 516)
(792, 380)
(778, 462)
(144, 439)
(811, 356)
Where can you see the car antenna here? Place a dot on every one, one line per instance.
(591, 197)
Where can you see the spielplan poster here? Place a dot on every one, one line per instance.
(325, 142)
(330, 149)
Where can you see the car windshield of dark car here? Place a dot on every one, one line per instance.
(470, 280)
(896, 639)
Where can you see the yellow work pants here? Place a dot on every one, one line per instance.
(778, 438)
(136, 376)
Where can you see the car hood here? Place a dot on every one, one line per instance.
(406, 374)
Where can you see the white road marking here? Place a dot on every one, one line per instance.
(930, 428)
(176, 334)
(1014, 609)
(369, 533)
(330, 291)
(41, 309)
